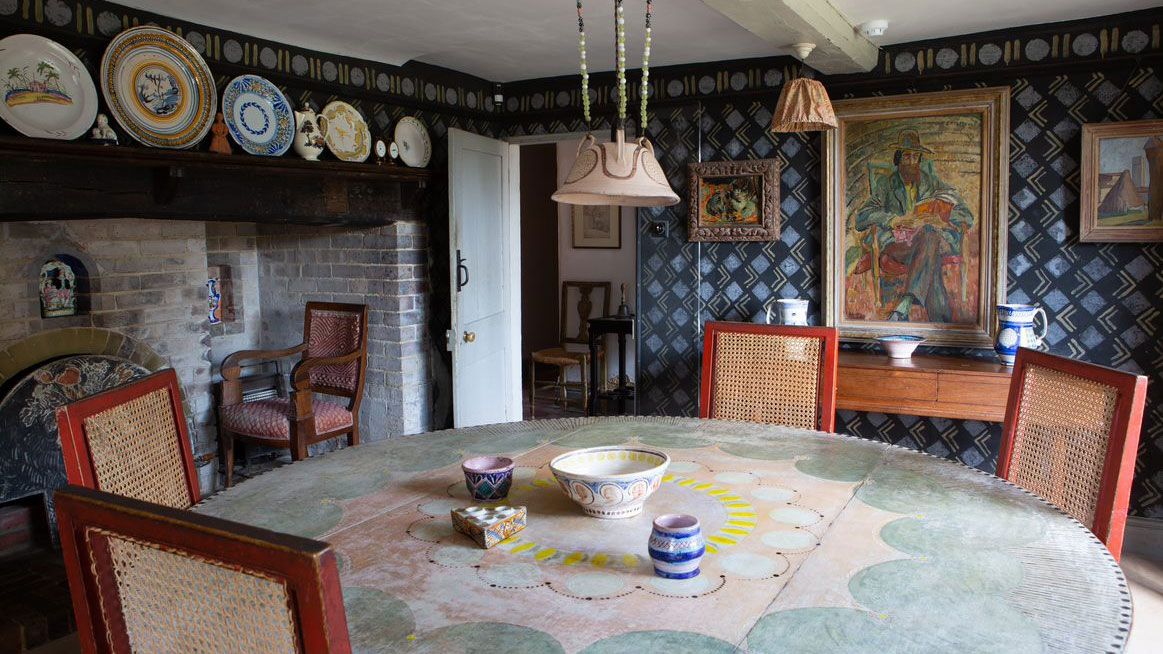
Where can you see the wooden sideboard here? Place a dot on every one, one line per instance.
(942, 387)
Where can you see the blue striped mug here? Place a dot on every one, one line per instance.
(676, 546)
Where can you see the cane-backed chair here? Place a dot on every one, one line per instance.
(1071, 436)
(563, 357)
(333, 361)
(132, 441)
(774, 374)
(148, 578)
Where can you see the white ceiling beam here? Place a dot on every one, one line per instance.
(840, 48)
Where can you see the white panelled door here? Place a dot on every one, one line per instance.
(484, 256)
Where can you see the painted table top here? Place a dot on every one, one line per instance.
(817, 543)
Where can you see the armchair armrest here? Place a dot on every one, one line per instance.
(301, 373)
(231, 370)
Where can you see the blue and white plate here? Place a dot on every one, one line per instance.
(158, 87)
(258, 116)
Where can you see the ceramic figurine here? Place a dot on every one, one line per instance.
(58, 289)
(1016, 329)
(219, 143)
(676, 546)
(791, 312)
(488, 478)
(489, 525)
(102, 133)
(309, 142)
(214, 301)
(623, 308)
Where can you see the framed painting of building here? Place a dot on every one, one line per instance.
(597, 226)
(914, 221)
(734, 201)
(1122, 182)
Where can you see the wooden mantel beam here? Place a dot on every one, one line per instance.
(840, 48)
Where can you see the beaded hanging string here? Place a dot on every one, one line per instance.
(645, 90)
(585, 75)
(620, 29)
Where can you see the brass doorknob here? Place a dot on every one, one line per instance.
(469, 337)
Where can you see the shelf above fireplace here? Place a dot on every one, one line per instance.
(55, 180)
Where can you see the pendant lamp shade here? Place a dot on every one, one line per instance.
(803, 107)
(620, 173)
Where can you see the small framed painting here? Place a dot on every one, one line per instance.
(1122, 182)
(597, 226)
(734, 201)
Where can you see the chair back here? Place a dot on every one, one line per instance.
(775, 374)
(584, 309)
(132, 441)
(1071, 436)
(148, 578)
(332, 329)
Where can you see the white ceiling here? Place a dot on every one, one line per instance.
(916, 20)
(499, 40)
(506, 40)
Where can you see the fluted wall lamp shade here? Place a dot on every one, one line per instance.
(803, 107)
(620, 173)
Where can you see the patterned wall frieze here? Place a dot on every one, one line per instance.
(86, 25)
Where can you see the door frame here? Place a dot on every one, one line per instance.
(511, 210)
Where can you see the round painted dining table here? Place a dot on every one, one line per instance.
(815, 543)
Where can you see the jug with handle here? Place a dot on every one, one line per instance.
(1016, 329)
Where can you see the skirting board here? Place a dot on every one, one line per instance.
(1144, 536)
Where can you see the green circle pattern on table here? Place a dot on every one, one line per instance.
(458, 555)
(484, 637)
(941, 580)
(672, 642)
(512, 575)
(376, 621)
(594, 584)
(300, 517)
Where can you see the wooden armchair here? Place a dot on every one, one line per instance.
(774, 374)
(333, 362)
(1071, 436)
(147, 578)
(132, 441)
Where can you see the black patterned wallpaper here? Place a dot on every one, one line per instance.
(1103, 300)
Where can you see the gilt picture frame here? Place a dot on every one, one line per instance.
(1121, 198)
(914, 222)
(596, 226)
(734, 201)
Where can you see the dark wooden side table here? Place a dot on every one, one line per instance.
(599, 327)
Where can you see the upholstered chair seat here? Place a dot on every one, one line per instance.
(272, 418)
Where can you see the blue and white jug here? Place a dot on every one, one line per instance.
(676, 546)
(1016, 329)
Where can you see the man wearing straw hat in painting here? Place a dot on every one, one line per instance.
(919, 222)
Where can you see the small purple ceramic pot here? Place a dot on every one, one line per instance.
(488, 478)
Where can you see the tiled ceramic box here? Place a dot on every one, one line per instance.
(489, 525)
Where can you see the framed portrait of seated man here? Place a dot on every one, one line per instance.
(914, 222)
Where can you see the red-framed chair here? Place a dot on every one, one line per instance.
(149, 578)
(1071, 435)
(333, 362)
(132, 441)
(775, 374)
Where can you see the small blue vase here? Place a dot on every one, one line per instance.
(676, 546)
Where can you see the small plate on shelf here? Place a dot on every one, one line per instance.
(158, 88)
(413, 141)
(258, 116)
(346, 132)
(47, 92)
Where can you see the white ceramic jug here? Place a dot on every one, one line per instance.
(1016, 329)
(791, 311)
(309, 131)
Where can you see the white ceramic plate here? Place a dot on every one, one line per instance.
(158, 88)
(346, 132)
(46, 90)
(414, 142)
(258, 116)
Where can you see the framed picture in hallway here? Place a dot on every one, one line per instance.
(597, 226)
(1122, 182)
(734, 201)
(914, 216)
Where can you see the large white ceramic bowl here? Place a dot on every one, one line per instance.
(610, 482)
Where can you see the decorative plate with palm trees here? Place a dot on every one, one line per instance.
(47, 93)
(158, 87)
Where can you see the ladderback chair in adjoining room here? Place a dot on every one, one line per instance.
(1071, 436)
(562, 358)
(333, 362)
(148, 578)
(132, 441)
(774, 374)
